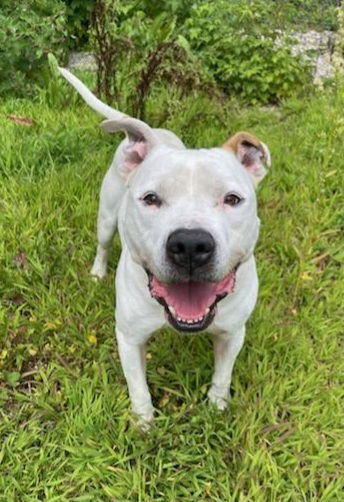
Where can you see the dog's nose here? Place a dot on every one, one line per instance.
(190, 249)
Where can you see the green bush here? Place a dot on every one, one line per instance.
(309, 14)
(134, 52)
(78, 17)
(236, 41)
(28, 31)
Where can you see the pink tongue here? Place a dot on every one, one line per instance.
(191, 299)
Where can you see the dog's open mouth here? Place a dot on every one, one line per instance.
(191, 306)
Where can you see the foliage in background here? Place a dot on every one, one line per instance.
(134, 51)
(110, 45)
(233, 44)
(240, 46)
(28, 31)
(338, 56)
(302, 15)
(78, 16)
(197, 44)
(309, 14)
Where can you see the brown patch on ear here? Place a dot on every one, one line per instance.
(251, 152)
(242, 138)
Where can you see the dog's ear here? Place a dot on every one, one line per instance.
(141, 140)
(251, 152)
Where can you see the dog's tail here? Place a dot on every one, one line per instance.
(90, 98)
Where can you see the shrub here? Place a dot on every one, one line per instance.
(28, 31)
(233, 43)
(134, 52)
(236, 41)
(78, 17)
(109, 46)
(338, 56)
(310, 14)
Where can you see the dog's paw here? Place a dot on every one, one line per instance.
(145, 423)
(99, 267)
(145, 420)
(218, 398)
(98, 271)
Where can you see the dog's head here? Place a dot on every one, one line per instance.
(190, 217)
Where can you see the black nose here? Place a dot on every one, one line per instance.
(190, 249)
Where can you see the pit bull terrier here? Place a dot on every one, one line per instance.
(188, 225)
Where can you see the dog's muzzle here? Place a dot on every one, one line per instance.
(190, 295)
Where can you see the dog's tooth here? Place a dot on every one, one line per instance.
(171, 309)
(179, 319)
(189, 321)
(207, 310)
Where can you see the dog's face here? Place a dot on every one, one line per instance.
(191, 220)
(183, 199)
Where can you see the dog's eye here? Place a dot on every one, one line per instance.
(232, 199)
(151, 199)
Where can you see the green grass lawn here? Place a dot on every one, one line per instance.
(66, 433)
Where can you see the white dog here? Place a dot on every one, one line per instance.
(188, 225)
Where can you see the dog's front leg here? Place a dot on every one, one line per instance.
(226, 349)
(133, 359)
(106, 227)
(111, 194)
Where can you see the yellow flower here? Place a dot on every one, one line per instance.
(52, 324)
(306, 277)
(92, 337)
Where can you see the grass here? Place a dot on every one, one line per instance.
(66, 433)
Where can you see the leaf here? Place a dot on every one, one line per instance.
(12, 378)
(17, 299)
(184, 44)
(164, 400)
(52, 325)
(306, 277)
(21, 120)
(3, 398)
(20, 260)
(53, 65)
